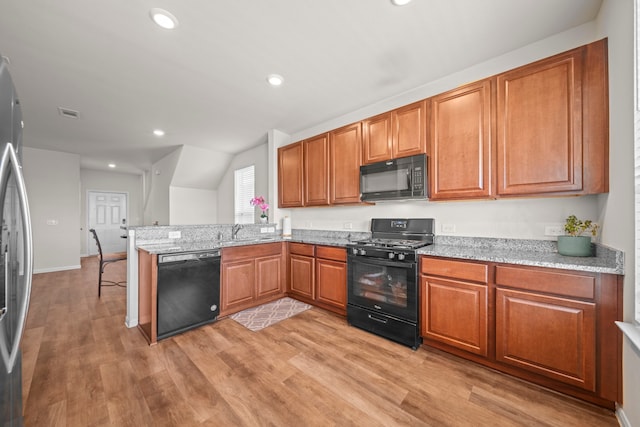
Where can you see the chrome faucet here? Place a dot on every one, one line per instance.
(234, 230)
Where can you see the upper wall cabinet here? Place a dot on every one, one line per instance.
(290, 175)
(398, 133)
(321, 170)
(552, 125)
(460, 148)
(345, 159)
(316, 171)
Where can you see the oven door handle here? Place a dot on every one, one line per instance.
(381, 262)
(377, 319)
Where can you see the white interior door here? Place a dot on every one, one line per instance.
(107, 212)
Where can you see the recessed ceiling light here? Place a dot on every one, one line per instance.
(112, 165)
(158, 132)
(275, 79)
(400, 2)
(163, 18)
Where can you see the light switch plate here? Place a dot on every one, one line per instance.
(175, 234)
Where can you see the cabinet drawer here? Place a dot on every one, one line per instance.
(331, 252)
(301, 249)
(571, 284)
(455, 269)
(251, 251)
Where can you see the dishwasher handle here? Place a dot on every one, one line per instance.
(188, 256)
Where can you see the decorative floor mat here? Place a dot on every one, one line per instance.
(265, 315)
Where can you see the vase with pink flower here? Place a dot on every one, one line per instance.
(263, 206)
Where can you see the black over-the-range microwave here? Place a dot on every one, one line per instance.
(398, 179)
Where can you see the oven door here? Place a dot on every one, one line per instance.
(384, 286)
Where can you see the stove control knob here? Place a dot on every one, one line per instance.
(362, 252)
(401, 256)
(354, 251)
(391, 255)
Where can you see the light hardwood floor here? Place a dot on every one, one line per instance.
(83, 367)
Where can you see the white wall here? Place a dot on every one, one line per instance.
(158, 205)
(190, 206)
(53, 187)
(114, 182)
(257, 156)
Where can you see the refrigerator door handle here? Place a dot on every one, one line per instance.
(10, 160)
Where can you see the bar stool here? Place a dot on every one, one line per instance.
(106, 259)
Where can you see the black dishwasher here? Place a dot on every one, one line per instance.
(188, 291)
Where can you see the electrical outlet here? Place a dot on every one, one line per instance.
(52, 222)
(448, 228)
(175, 234)
(554, 230)
(264, 229)
(348, 226)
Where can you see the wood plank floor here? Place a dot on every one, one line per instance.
(83, 367)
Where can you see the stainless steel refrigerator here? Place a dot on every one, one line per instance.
(15, 252)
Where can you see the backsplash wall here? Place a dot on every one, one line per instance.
(523, 218)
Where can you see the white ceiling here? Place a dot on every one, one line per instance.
(204, 83)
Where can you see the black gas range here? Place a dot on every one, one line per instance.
(383, 278)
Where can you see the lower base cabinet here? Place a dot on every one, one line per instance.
(455, 304)
(552, 327)
(318, 276)
(251, 275)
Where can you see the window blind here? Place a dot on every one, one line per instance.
(244, 190)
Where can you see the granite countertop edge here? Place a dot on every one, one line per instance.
(607, 260)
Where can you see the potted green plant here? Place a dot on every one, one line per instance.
(574, 243)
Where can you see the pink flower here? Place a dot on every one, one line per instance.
(261, 203)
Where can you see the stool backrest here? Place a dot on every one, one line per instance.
(95, 236)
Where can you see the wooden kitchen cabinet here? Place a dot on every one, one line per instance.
(331, 278)
(397, 133)
(455, 304)
(552, 125)
(147, 295)
(318, 276)
(316, 171)
(251, 275)
(553, 327)
(461, 144)
(291, 175)
(546, 323)
(345, 148)
(302, 271)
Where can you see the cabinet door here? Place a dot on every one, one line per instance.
(455, 313)
(461, 143)
(316, 171)
(377, 139)
(268, 276)
(331, 280)
(346, 156)
(290, 176)
(539, 126)
(302, 270)
(237, 287)
(409, 130)
(551, 336)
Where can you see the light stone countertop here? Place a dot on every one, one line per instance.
(541, 253)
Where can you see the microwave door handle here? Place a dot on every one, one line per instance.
(409, 183)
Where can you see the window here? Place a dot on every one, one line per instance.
(244, 189)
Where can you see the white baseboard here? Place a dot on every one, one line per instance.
(53, 269)
(622, 417)
(130, 322)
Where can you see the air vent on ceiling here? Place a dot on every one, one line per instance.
(68, 113)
